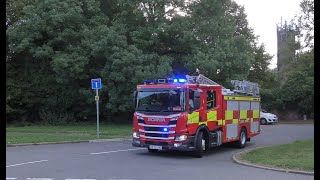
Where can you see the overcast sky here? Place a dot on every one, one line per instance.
(263, 15)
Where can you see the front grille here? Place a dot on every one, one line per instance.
(172, 122)
(140, 121)
(156, 131)
(157, 135)
(153, 129)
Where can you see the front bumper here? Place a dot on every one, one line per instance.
(182, 146)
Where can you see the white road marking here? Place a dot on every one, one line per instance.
(39, 178)
(10, 178)
(26, 163)
(116, 151)
(80, 179)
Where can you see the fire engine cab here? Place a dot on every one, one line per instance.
(194, 114)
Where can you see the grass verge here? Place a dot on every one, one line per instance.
(298, 155)
(37, 134)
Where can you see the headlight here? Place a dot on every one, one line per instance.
(181, 137)
(136, 135)
(174, 119)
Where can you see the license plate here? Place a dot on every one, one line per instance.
(155, 147)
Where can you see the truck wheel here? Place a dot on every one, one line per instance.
(200, 145)
(263, 121)
(243, 139)
(152, 150)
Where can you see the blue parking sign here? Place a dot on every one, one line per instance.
(96, 83)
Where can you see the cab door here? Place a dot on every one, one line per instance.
(213, 108)
(196, 113)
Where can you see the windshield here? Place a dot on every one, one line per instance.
(161, 100)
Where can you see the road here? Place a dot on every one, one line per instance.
(119, 160)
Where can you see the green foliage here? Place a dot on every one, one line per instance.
(298, 155)
(55, 47)
(298, 90)
(306, 21)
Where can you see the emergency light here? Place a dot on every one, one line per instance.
(165, 81)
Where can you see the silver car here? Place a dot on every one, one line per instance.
(267, 118)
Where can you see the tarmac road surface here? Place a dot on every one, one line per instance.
(119, 160)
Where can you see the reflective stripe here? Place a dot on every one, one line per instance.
(151, 125)
(220, 122)
(229, 114)
(149, 137)
(256, 114)
(212, 116)
(235, 121)
(241, 98)
(157, 132)
(243, 114)
(200, 123)
(193, 118)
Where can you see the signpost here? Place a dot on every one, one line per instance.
(96, 84)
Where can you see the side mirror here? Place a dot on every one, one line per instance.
(134, 100)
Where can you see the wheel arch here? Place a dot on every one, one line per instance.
(203, 128)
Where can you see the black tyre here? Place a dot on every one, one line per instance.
(263, 121)
(243, 139)
(200, 145)
(152, 150)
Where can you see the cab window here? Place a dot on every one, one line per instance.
(194, 102)
(211, 99)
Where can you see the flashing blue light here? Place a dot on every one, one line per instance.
(182, 80)
(175, 80)
(165, 129)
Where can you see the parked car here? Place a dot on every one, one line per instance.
(267, 118)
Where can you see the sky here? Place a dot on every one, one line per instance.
(264, 15)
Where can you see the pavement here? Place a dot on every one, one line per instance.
(108, 160)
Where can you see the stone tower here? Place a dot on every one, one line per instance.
(287, 46)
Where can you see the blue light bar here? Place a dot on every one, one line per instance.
(148, 81)
(165, 81)
(165, 129)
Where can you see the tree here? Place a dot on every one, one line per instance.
(222, 40)
(56, 47)
(298, 90)
(259, 71)
(306, 22)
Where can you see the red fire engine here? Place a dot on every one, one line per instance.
(194, 114)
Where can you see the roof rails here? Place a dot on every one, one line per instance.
(200, 79)
(240, 87)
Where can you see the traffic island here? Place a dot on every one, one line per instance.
(296, 157)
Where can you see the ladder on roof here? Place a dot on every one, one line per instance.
(245, 87)
(240, 87)
(201, 79)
